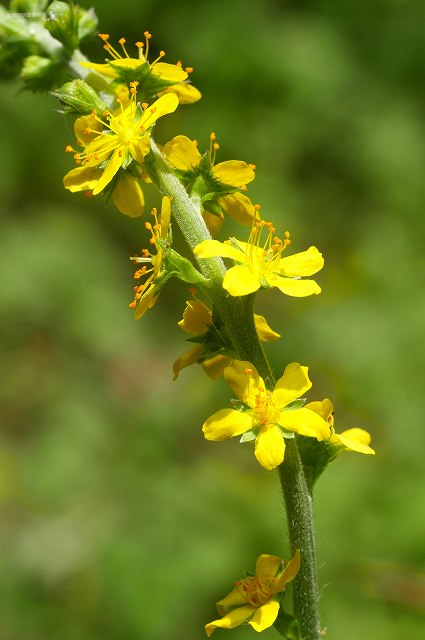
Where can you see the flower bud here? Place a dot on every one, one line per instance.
(78, 97)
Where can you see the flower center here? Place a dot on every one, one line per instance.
(265, 257)
(256, 590)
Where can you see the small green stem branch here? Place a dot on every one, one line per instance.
(237, 317)
(299, 511)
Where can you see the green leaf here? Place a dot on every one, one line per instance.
(287, 626)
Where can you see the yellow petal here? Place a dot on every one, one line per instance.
(187, 359)
(161, 107)
(213, 221)
(186, 92)
(305, 422)
(301, 264)
(268, 565)
(140, 148)
(82, 179)
(356, 439)
(264, 331)
(265, 616)
(104, 69)
(100, 149)
(292, 286)
(289, 573)
(196, 318)
(214, 367)
(146, 302)
(245, 385)
(323, 408)
(110, 170)
(170, 72)
(270, 447)
(165, 216)
(127, 63)
(128, 196)
(241, 280)
(233, 599)
(182, 153)
(291, 386)
(231, 620)
(82, 125)
(239, 207)
(225, 424)
(213, 248)
(233, 172)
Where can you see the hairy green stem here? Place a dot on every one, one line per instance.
(237, 317)
(299, 511)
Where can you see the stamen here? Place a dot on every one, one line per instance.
(122, 42)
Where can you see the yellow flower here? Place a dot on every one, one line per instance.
(266, 416)
(353, 439)
(156, 78)
(255, 600)
(147, 293)
(197, 320)
(113, 142)
(263, 266)
(182, 154)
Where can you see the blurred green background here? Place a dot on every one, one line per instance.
(118, 521)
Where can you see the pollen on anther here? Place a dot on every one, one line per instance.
(212, 135)
(252, 166)
(68, 148)
(248, 372)
(189, 69)
(104, 36)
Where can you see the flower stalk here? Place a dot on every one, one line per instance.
(237, 316)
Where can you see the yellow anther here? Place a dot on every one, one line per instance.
(248, 372)
(103, 36)
(216, 146)
(147, 35)
(212, 135)
(148, 226)
(161, 54)
(87, 131)
(145, 105)
(68, 148)
(139, 45)
(132, 304)
(252, 166)
(179, 63)
(189, 69)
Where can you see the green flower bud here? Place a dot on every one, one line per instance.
(70, 24)
(78, 97)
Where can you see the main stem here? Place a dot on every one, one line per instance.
(299, 512)
(298, 502)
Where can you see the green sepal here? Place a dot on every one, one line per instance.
(250, 435)
(240, 406)
(296, 404)
(70, 24)
(181, 267)
(315, 456)
(79, 98)
(287, 626)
